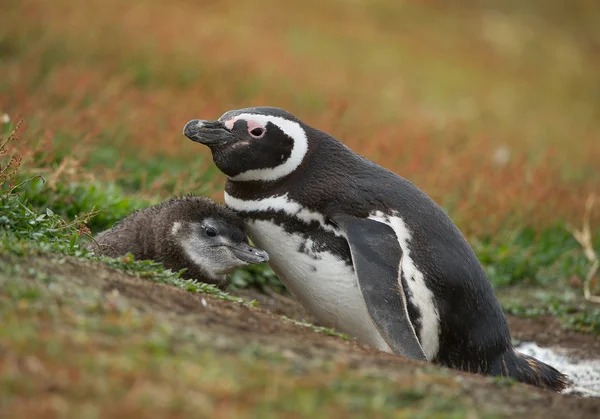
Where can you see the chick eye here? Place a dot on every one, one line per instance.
(211, 232)
(257, 132)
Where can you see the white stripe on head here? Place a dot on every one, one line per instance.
(292, 129)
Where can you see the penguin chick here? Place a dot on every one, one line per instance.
(190, 232)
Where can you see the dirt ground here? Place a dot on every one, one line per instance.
(546, 331)
(231, 326)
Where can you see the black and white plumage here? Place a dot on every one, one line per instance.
(362, 248)
(190, 232)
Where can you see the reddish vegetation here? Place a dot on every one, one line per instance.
(491, 112)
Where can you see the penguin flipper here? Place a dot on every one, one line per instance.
(376, 256)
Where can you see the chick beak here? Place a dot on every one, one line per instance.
(249, 254)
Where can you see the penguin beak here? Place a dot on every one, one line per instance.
(249, 254)
(209, 133)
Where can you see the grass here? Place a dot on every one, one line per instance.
(490, 107)
(319, 329)
(561, 302)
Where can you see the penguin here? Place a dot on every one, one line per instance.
(363, 249)
(190, 232)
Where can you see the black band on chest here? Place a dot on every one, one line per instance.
(316, 238)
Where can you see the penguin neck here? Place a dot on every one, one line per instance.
(253, 188)
(259, 188)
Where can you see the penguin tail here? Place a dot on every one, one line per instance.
(529, 370)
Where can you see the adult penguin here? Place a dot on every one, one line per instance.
(363, 249)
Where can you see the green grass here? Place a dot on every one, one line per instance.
(531, 258)
(154, 271)
(318, 329)
(71, 200)
(560, 302)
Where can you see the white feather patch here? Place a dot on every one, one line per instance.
(175, 228)
(422, 296)
(293, 130)
(280, 203)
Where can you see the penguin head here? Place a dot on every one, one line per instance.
(253, 144)
(215, 246)
(198, 231)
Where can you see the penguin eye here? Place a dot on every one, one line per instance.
(257, 132)
(211, 232)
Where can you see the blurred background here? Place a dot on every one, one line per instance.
(491, 107)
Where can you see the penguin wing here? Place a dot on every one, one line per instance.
(376, 255)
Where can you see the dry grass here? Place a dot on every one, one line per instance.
(584, 238)
(493, 111)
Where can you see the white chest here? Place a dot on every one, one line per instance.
(323, 284)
